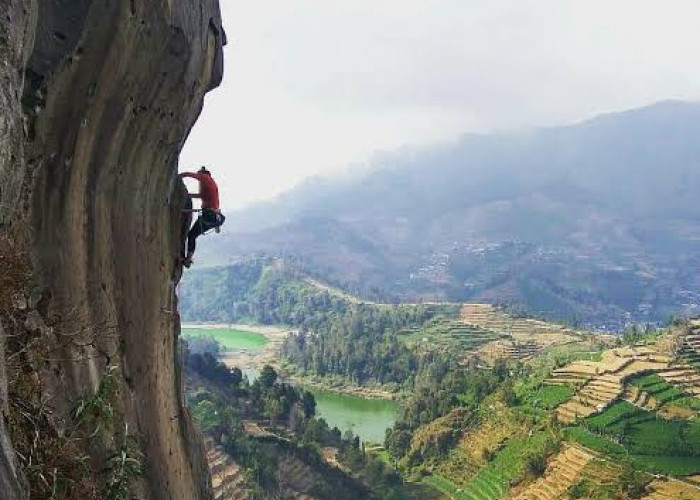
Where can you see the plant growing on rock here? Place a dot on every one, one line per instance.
(124, 467)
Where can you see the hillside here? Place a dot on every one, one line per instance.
(494, 405)
(594, 222)
(599, 423)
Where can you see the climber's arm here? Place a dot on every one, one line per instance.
(193, 176)
(189, 174)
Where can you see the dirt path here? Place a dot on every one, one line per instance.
(337, 292)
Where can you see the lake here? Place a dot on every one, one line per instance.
(367, 418)
(230, 339)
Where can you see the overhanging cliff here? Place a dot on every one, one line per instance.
(90, 209)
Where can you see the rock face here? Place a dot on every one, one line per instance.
(97, 98)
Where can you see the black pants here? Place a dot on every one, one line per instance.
(209, 219)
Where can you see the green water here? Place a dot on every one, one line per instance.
(229, 338)
(367, 418)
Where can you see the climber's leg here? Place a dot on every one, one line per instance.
(186, 223)
(197, 229)
(209, 219)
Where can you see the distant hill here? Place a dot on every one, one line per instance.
(597, 222)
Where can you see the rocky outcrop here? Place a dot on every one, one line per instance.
(97, 99)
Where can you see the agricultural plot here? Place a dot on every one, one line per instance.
(547, 397)
(563, 471)
(593, 397)
(227, 478)
(690, 356)
(450, 336)
(684, 377)
(602, 383)
(652, 443)
(493, 480)
(668, 489)
(470, 338)
(652, 392)
(686, 345)
(522, 330)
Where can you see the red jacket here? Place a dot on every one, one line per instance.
(208, 189)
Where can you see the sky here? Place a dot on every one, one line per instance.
(316, 87)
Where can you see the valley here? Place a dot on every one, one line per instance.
(487, 403)
(408, 289)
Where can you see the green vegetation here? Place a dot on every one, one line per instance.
(228, 338)
(444, 435)
(444, 334)
(337, 336)
(123, 467)
(97, 409)
(442, 386)
(626, 483)
(665, 393)
(58, 465)
(445, 485)
(452, 401)
(223, 400)
(519, 456)
(640, 334)
(650, 442)
(220, 295)
(690, 357)
(595, 442)
(546, 397)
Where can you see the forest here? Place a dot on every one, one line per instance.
(221, 400)
(333, 334)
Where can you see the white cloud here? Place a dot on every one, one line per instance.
(313, 85)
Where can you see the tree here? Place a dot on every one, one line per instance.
(268, 377)
(309, 404)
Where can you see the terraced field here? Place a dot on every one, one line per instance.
(599, 384)
(563, 471)
(651, 443)
(451, 336)
(593, 397)
(493, 480)
(684, 377)
(522, 330)
(651, 392)
(668, 489)
(691, 357)
(633, 406)
(227, 478)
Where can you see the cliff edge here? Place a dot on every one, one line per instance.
(96, 101)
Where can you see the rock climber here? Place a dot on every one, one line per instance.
(210, 216)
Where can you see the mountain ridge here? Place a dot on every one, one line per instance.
(562, 213)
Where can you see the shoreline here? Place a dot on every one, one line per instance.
(269, 355)
(348, 390)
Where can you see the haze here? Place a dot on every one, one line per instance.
(314, 86)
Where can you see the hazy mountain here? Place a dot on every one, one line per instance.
(597, 221)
